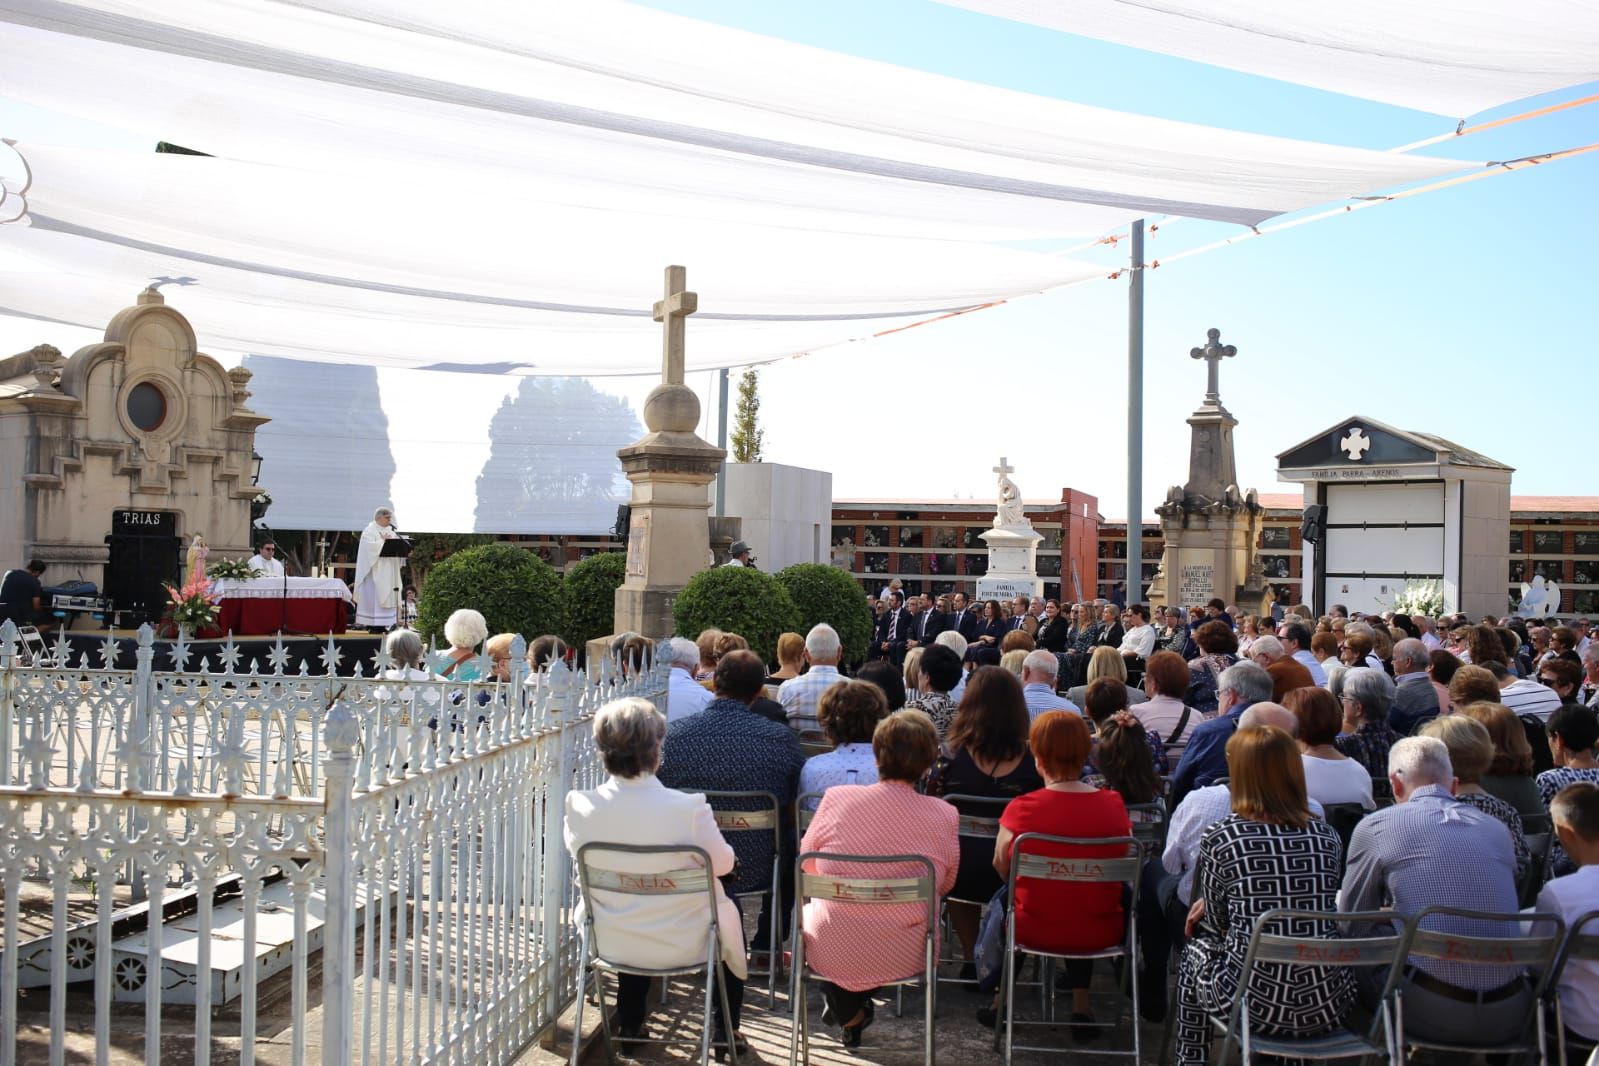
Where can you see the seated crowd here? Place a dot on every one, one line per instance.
(1333, 765)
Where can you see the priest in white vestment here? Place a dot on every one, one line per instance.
(377, 580)
(266, 561)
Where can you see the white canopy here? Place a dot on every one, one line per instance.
(1452, 57)
(411, 184)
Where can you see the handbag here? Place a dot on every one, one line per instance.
(991, 941)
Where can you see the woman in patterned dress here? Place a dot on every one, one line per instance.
(1268, 853)
(1573, 732)
(855, 947)
(1218, 649)
(1471, 753)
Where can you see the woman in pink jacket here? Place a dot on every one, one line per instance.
(858, 947)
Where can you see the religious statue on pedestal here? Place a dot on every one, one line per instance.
(1010, 499)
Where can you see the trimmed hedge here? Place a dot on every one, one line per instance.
(737, 599)
(516, 591)
(827, 594)
(589, 592)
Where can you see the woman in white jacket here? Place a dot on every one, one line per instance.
(633, 807)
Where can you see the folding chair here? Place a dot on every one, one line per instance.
(1382, 790)
(805, 809)
(762, 813)
(974, 830)
(1282, 949)
(1149, 824)
(1534, 951)
(1581, 946)
(1343, 817)
(895, 887)
(1537, 871)
(1026, 865)
(34, 647)
(686, 880)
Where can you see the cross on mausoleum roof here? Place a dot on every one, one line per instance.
(672, 313)
(1213, 352)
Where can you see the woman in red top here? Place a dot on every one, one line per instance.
(1060, 915)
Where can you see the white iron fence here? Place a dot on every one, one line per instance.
(408, 829)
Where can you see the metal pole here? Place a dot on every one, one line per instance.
(721, 442)
(1135, 419)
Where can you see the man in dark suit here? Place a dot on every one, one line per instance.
(929, 624)
(893, 630)
(965, 620)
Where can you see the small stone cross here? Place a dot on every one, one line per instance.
(1004, 469)
(671, 312)
(1213, 352)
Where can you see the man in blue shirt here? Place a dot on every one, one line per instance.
(1205, 757)
(1430, 849)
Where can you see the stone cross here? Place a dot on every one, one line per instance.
(1004, 468)
(671, 313)
(1213, 352)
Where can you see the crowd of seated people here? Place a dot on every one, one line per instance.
(1422, 732)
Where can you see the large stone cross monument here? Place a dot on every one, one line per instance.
(669, 535)
(1012, 546)
(1210, 527)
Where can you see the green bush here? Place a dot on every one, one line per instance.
(828, 594)
(516, 591)
(739, 600)
(589, 593)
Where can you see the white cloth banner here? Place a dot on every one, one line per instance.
(1451, 57)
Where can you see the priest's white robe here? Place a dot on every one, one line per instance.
(377, 580)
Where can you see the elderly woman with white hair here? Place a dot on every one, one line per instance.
(632, 807)
(1366, 736)
(377, 579)
(464, 630)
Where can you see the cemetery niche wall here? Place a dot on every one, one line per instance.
(1402, 508)
(112, 457)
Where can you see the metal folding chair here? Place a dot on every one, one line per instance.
(1537, 872)
(1282, 949)
(1149, 824)
(1581, 945)
(895, 887)
(1031, 865)
(761, 813)
(1343, 817)
(1533, 951)
(685, 880)
(974, 830)
(805, 809)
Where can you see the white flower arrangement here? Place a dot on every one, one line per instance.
(1420, 598)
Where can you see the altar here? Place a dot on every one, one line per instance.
(293, 605)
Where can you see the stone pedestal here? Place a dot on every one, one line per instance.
(669, 538)
(1012, 564)
(1211, 529)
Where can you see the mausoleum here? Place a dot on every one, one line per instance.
(113, 456)
(1390, 507)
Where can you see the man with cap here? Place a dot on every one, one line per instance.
(740, 555)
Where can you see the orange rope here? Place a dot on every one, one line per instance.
(1464, 129)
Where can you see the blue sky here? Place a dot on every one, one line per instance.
(1465, 312)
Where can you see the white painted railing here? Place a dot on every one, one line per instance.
(411, 830)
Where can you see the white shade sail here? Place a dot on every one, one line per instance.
(288, 262)
(1451, 57)
(609, 86)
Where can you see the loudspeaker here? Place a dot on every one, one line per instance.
(1314, 523)
(624, 518)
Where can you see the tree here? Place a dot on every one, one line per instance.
(747, 433)
(552, 464)
(516, 591)
(827, 594)
(740, 600)
(589, 591)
